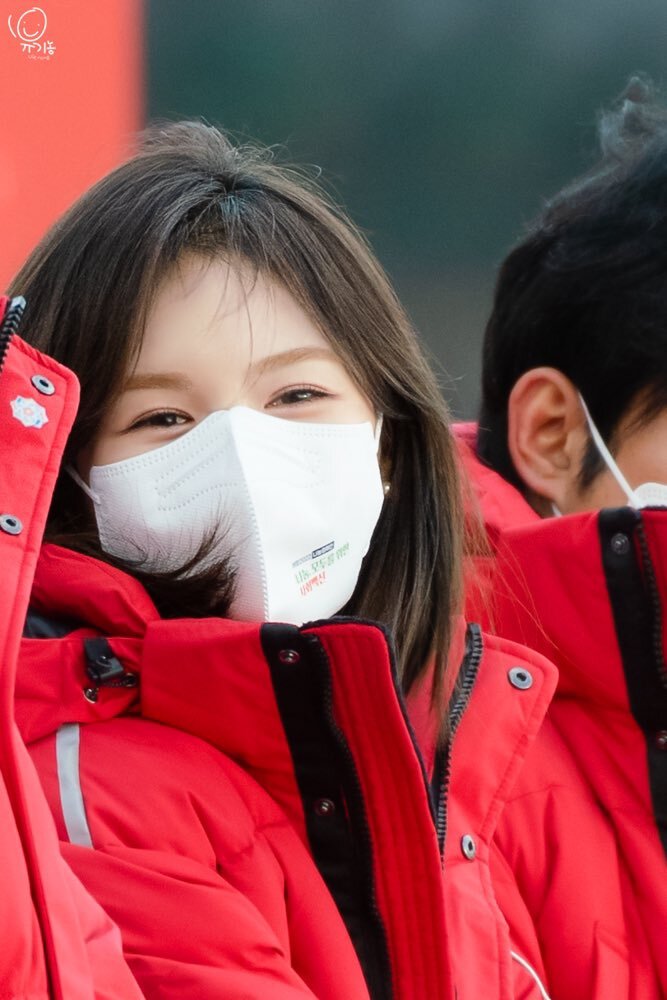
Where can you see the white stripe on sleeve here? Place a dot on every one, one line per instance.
(69, 781)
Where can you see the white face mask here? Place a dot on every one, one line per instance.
(293, 504)
(646, 495)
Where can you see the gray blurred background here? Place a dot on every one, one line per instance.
(439, 124)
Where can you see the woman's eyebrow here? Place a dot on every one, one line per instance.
(157, 380)
(290, 357)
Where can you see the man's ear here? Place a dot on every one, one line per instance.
(546, 435)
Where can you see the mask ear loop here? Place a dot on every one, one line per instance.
(609, 459)
(70, 470)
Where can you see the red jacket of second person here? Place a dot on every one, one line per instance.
(585, 834)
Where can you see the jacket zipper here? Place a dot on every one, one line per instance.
(465, 683)
(10, 325)
(654, 595)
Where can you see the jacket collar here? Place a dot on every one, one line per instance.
(38, 402)
(78, 588)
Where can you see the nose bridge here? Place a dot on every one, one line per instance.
(206, 449)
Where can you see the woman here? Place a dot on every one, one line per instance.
(260, 439)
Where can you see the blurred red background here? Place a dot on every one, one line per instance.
(72, 100)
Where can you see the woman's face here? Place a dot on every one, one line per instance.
(217, 338)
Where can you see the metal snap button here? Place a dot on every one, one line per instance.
(91, 694)
(43, 385)
(520, 678)
(468, 847)
(620, 544)
(289, 656)
(325, 807)
(11, 524)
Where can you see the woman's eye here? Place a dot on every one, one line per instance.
(166, 418)
(299, 394)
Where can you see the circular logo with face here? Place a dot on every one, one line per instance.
(30, 26)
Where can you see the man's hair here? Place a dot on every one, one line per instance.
(585, 292)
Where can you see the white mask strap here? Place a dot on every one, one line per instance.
(557, 512)
(608, 458)
(82, 483)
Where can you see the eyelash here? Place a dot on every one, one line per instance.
(312, 391)
(153, 419)
(150, 420)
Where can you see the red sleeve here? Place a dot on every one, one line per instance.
(112, 979)
(186, 933)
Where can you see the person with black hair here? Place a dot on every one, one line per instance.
(573, 421)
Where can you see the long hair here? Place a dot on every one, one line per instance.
(90, 285)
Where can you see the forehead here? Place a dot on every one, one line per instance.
(223, 312)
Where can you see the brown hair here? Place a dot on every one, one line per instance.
(90, 284)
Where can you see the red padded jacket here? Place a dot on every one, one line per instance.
(589, 591)
(56, 941)
(249, 802)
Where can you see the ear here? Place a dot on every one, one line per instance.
(546, 435)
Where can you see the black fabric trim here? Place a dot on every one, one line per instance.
(637, 615)
(38, 626)
(324, 767)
